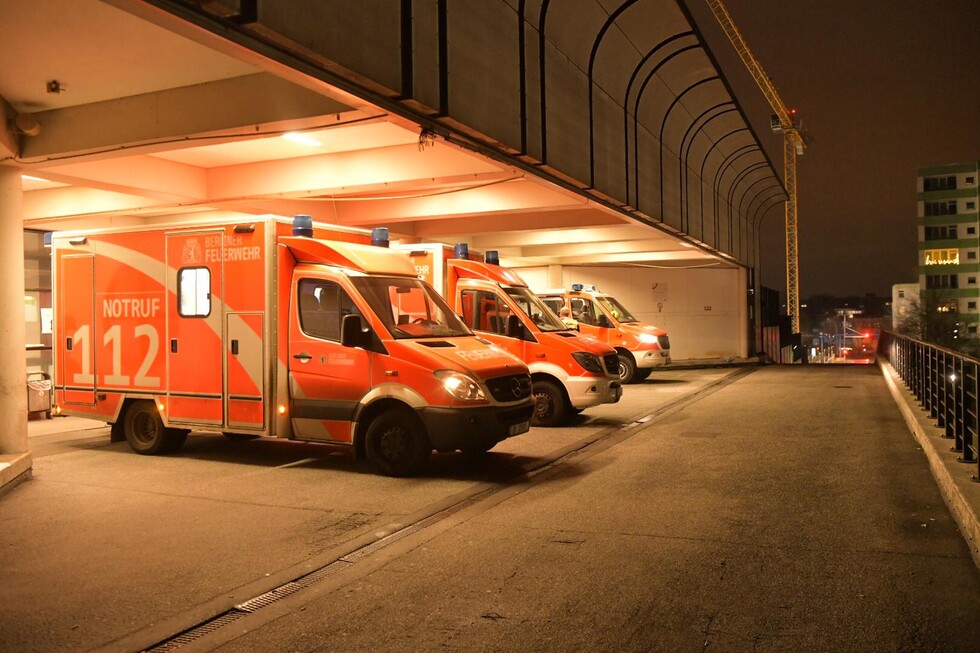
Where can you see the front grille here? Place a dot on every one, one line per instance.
(611, 361)
(510, 388)
(664, 342)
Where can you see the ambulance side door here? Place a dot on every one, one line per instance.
(486, 313)
(195, 374)
(326, 379)
(589, 318)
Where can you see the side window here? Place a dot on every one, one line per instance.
(482, 311)
(194, 292)
(322, 307)
(584, 311)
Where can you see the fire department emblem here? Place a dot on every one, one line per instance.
(192, 253)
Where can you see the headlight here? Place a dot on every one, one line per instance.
(589, 362)
(460, 386)
(649, 339)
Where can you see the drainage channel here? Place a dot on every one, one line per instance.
(289, 588)
(286, 589)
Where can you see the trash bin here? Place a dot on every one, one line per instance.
(38, 394)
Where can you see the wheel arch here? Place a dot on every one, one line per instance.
(116, 424)
(538, 377)
(366, 414)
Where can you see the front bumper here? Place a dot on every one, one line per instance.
(455, 428)
(648, 358)
(587, 391)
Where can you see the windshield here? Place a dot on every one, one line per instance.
(615, 309)
(537, 310)
(410, 308)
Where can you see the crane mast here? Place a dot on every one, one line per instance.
(783, 120)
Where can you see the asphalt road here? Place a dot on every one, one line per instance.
(772, 509)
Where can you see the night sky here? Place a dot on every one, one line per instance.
(884, 87)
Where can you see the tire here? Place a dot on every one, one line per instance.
(397, 444)
(550, 405)
(642, 374)
(627, 369)
(146, 433)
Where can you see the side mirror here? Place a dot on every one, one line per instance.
(604, 322)
(354, 333)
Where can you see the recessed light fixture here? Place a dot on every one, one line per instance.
(302, 139)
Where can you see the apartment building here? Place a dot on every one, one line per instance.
(949, 239)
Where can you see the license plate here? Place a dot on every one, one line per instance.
(517, 429)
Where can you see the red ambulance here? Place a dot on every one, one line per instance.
(641, 347)
(569, 372)
(267, 327)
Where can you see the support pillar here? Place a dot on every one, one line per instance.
(555, 279)
(15, 459)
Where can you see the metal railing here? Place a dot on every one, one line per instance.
(945, 383)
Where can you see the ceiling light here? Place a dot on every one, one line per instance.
(30, 178)
(302, 139)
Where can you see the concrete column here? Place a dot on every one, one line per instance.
(555, 279)
(15, 460)
(743, 313)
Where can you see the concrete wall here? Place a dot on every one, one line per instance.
(702, 310)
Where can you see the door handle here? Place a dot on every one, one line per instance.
(302, 357)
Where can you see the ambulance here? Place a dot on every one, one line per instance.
(569, 372)
(271, 327)
(641, 347)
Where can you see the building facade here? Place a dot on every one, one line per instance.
(905, 297)
(949, 239)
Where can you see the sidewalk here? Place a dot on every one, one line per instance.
(956, 480)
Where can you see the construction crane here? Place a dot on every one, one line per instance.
(783, 120)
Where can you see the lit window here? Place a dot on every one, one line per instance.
(194, 292)
(942, 256)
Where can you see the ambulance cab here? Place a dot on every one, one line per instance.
(569, 372)
(641, 347)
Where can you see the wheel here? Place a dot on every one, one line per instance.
(397, 444)
(146, 433)
(642, 374)
(550, 408)
(627, 368)
(239, 436)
